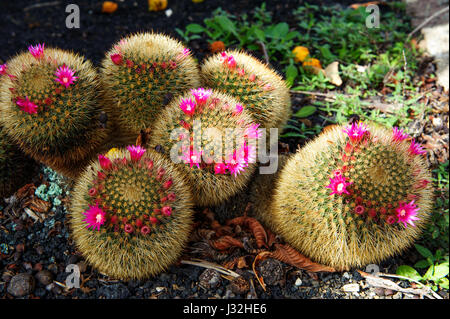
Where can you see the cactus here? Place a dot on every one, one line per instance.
(212, 138)
(49, 108)
(353, 196)
(15, 167)
(253, 83)
(131, 213)
(140, 75)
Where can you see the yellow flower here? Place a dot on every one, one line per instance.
(157, 5)
(112, 152)
(312, 62)
(300, 53)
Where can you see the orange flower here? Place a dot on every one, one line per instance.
(157, 5)
(312, 62)
(217, 46)
(109, 7)
(300, 53)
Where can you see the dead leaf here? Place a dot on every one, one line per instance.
(226, 242)
(38, 205)
(254, 226)
(332, 73)
(358, 5)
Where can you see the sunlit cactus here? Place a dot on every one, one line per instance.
(213, 139)
(353, 196)
(131, 213)
(140, 75)
(48, 102)
(258, 87)
(15, 167)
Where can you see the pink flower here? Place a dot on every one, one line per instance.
(359, 209)
(252, 131)
(26, 105)
(186, 52)
(95, 217)
(128, 228)
(241, 72)
(356, 132)
(171, 196)
(231, 62)
(238, 109)
(105, 163)
(252, 77)
(338, 185)
(187, 106)
(145, 230)
(416, 148)
(37, 51)
(117, 58)
(391, 220)
(3, 68)
(406, 213)
(136, 152)
(192, 157)
(168, 184)
(422, 184)
(65, 76)
(247, 153)
(220, 168)
(166, 210)
(236, 163)
(398, 135)
(201, 95)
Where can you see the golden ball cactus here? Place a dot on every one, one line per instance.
(131, 213)
(213, 139)
(253, 83)
(48, 101)
(140, 75)
(353, 196)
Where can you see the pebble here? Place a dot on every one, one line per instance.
(272, 271)
(350, 288)
(45, 277)
(240, 285)
(21, 285)
(346, 275)
(298, 282)
(209, 279)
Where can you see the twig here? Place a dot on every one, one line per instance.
(264, 50)
(41, 5)
(426, 21)
(207, 264)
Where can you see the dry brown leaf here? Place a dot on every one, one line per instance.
(254, 226)
(38, 205)
(332, 73)
(226, 242)
(25, 191)
(289, 255)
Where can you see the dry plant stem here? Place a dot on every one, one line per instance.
(210, 265)
(426, 21)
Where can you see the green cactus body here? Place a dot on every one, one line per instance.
(222, 144)
(347, 202)
(254, 84)
(141, 73)
(53, 123)
(145, 212)
(15, 167)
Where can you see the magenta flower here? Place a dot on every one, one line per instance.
(186, 52)
(171, 196)
(95, 217)
(238, 109)
(406, 213)
(117, 58)
(220, 168)
(247, 153)
(128, 228)
(26, 105)
(359, 209)
(193, 157)
(136, 152)
(231, 62)
(105, 163)
(252, 131)
(3, 68)
(166, 210)
(145, 230)
(236, 163)
(398, 135)
(338, 185)
(37, 51)
(356, 132)
(187, 106)
(201, 95)
(65, 76)
(168, 184)
(416, 148)
(391, 220)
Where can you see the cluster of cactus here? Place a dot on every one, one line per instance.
(254, 84)
(140, 75)
(15, 167)
(353, 196)
(49, 107)
(213, 137)
(131, 213)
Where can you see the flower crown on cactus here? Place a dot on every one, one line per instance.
(49, 107)
(353, 196)
(134, 205)
(217, 161)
